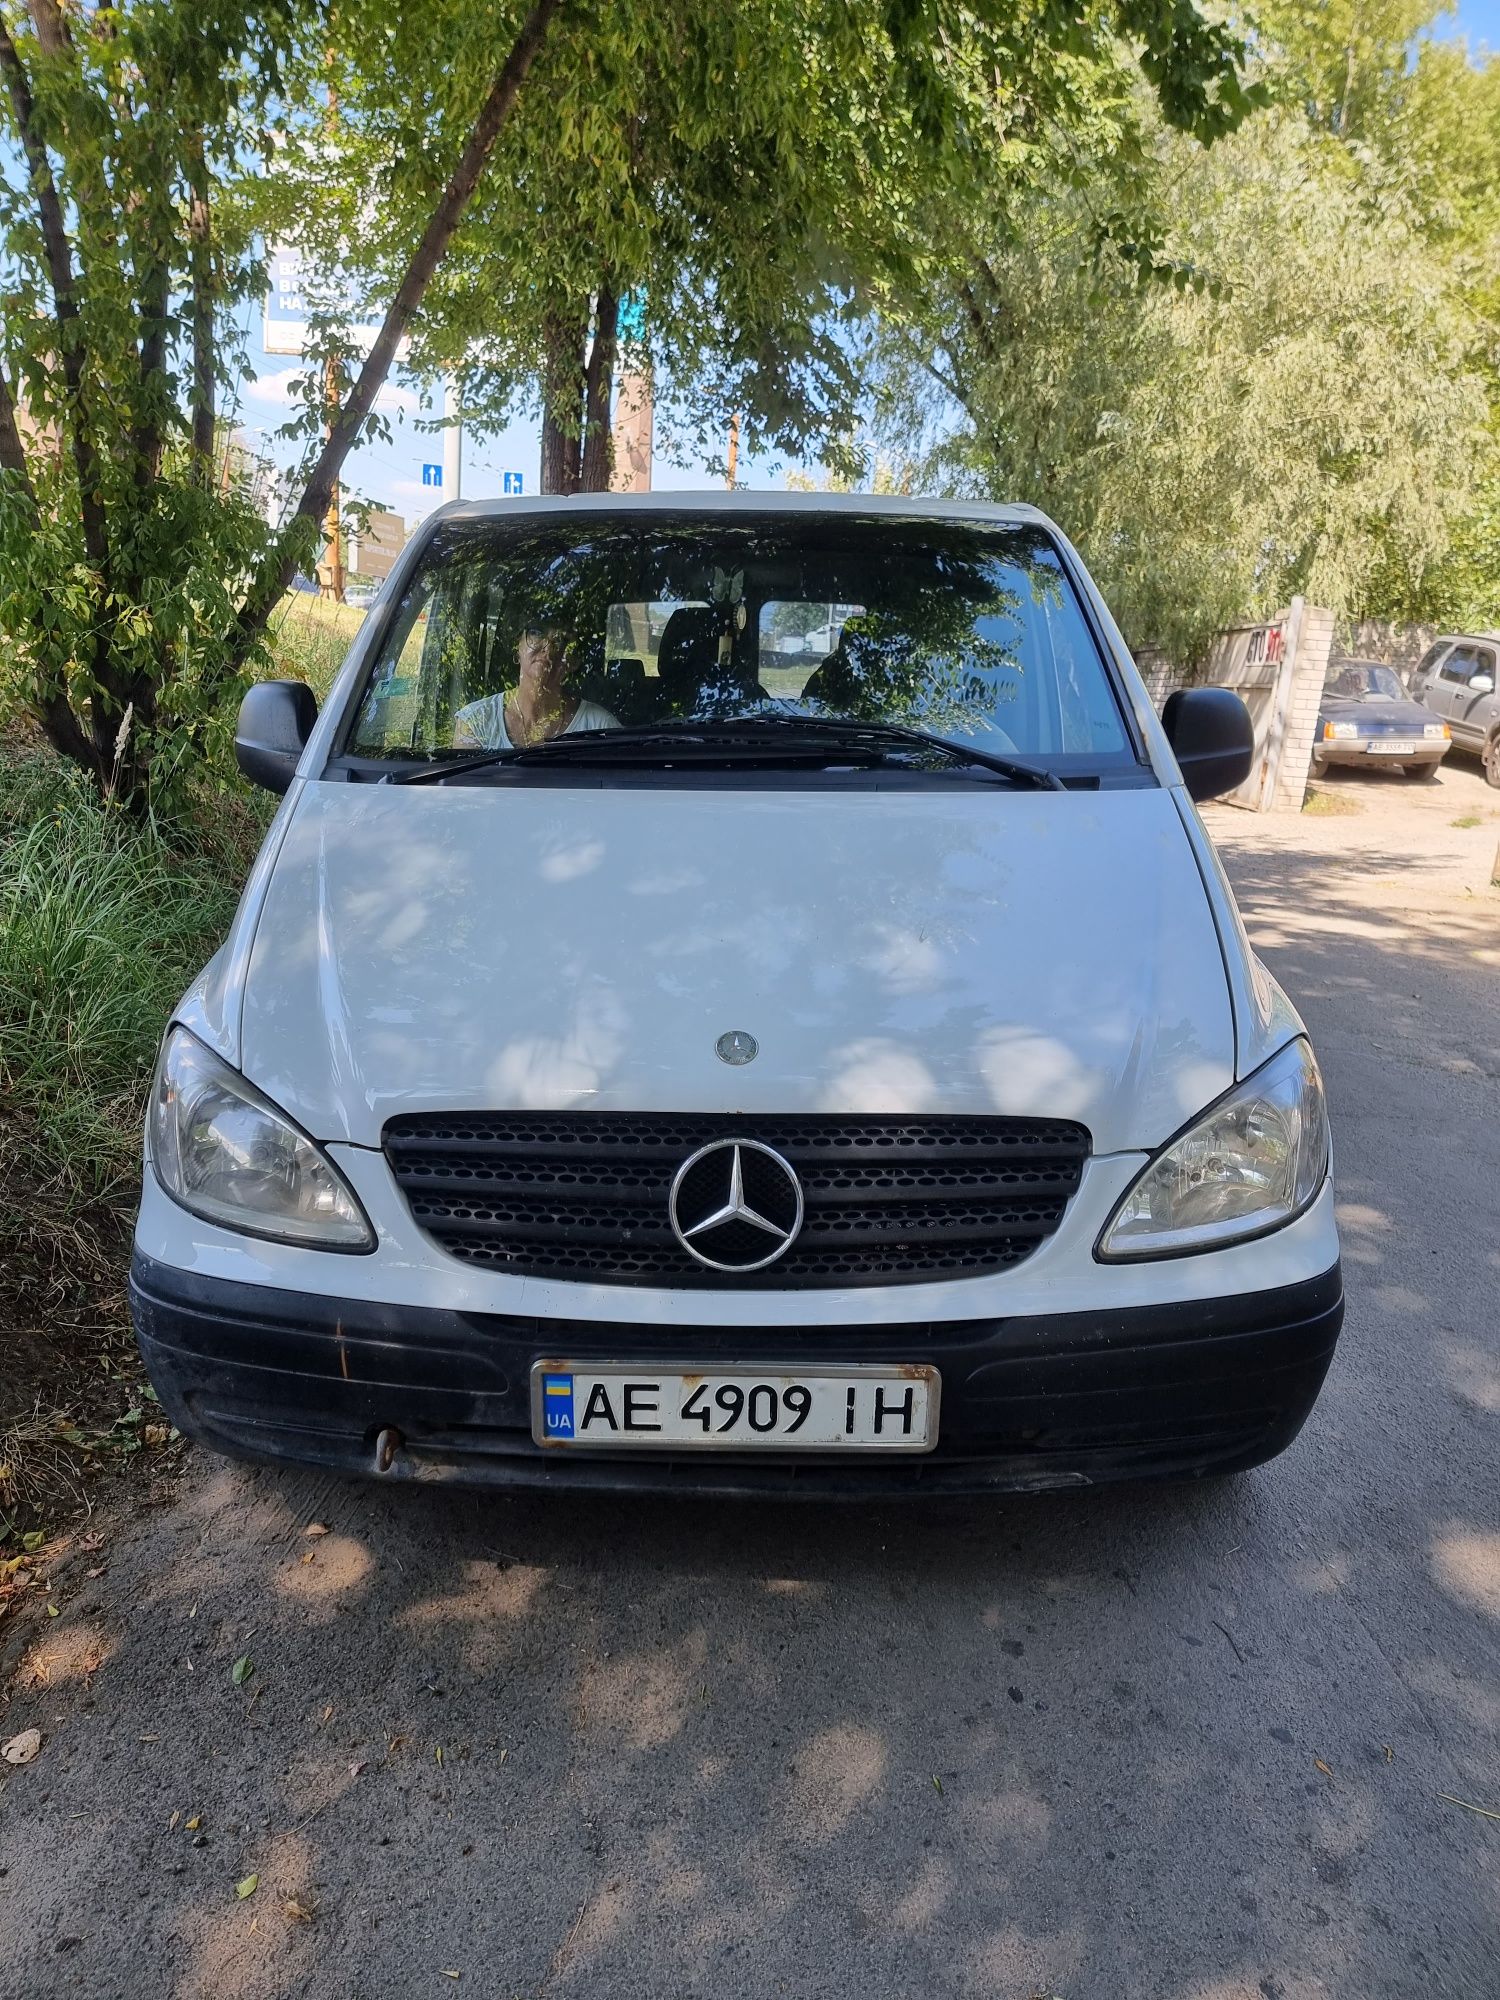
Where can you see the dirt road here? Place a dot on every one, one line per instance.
(1182, 1744)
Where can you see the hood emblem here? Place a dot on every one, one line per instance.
(736, 1047)
(735, 1205)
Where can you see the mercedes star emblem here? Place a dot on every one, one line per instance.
(737, 1047)
(735, 1205)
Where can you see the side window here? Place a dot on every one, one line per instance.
(1428, 661)
(1461, 665)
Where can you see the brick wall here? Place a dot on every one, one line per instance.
(1277, 668)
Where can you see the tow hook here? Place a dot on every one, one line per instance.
(386, 1446)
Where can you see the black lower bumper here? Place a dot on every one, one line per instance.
(1062, 1400)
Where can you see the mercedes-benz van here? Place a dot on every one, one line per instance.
(737, 996)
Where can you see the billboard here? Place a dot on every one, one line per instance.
(287, 305)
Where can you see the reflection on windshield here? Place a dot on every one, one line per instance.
(1359, 682)
(517, 632)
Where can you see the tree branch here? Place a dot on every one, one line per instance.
(436, 237)
(60, 269)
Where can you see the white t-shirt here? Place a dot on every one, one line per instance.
(481, 725)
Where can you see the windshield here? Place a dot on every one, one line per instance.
(516, 633)
(1359, 680)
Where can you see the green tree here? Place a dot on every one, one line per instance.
(725, 163)
(1271, 388)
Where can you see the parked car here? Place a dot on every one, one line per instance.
(1367, 717)
(1457, 679)
(865, 1089)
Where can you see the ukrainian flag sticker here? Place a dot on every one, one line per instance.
(557, 1405)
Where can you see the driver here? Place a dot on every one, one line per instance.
(537, 708)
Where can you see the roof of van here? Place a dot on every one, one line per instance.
(716, 500)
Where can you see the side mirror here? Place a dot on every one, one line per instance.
(1482, 684)
(1212, 737)
(276, 719)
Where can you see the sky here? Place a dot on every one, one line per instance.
(390, 474)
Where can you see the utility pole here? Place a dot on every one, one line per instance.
(453, 439)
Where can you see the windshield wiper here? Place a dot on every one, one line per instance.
(875, 735)
(735, 737)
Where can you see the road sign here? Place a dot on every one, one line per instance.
(512, 482)
(432, 475)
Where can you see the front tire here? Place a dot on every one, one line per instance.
(1428, 770)
(1319, 766)
(1492, 762)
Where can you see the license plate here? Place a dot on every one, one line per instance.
(633, 1406)
(1394, 749)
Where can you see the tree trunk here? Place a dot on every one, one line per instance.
(200, 258)
(563, 387)
(598, 460)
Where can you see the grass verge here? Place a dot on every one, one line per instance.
(103, 921)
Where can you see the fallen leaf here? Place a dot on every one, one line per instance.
(195, 1822)
(937, 1784)
(53, 1612)
(1390, 1755)
(242, 1669)
(313, 1530)
(328, 1713)
(1322, 1767)
(438, 1753)
(395, 1744)
(93, 1575)
(311, 1556)
(22, 1749)
(297, 1913)
(155, 1434)
(451, 1975)
(247, 1888)
(172, 1822)
(355, 1769)
(92, 1543)
(32, 1542)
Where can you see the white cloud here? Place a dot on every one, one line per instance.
(275, 391)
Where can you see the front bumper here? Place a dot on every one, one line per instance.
(1042, 1401)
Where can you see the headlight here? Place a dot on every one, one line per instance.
(1252, 1162)
(1436, 729)
(227, 1153)
(1332, 729)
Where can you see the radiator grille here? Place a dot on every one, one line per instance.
(584, 1195)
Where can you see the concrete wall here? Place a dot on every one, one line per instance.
(1277, 668)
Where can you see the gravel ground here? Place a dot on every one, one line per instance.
(1219, 1743)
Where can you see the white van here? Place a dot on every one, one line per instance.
(647, 1058)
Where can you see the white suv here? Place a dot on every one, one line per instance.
(644, 1057)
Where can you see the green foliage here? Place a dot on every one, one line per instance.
(1241, 375)
(749, 177)
(103, 919)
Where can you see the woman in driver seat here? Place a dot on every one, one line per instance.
(537, 708)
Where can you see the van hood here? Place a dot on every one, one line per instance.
(971, 949)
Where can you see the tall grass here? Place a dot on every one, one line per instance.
(309, 638)
(103, 920)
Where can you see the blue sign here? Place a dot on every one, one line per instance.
(432, 475)
(557, 1405)
(512, 482)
